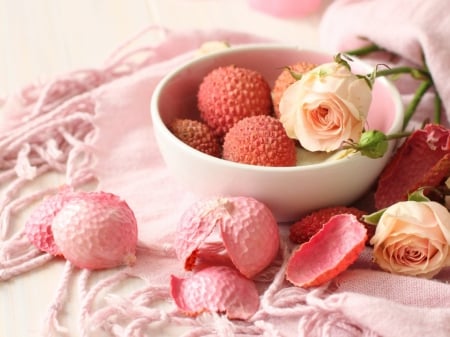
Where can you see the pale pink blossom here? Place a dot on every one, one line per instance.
(327, 106)
(413, 238)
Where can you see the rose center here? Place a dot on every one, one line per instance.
(412, 255)
(323, 117)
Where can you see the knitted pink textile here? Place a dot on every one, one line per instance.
(94, 125)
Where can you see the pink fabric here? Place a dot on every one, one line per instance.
(314, 314)
(119, 150)
(416, 30)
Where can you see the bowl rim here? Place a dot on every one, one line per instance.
(156, 117)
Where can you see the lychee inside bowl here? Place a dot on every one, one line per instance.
(289, 192)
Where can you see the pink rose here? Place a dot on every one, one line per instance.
(327, 106)
(412, 238)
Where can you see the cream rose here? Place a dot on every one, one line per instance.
(413, 238)
(327, 106)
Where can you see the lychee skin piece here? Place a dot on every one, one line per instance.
(247, 228)
(197, 135)
(329, 252)
(423, 160)
(260, 140)
(285, 79)
(302, 230)
(229, 93)
(218, 289)
(96, 230)
(38, 226)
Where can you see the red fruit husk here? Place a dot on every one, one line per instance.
(196, 134)
(302, 230)
(423, 160)
(329, 252)
(230, 93)
(259, 140)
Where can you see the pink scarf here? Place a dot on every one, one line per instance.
(97, 128)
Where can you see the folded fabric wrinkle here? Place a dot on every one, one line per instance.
(415, 32)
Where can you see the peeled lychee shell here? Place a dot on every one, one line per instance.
(96, 230)
(218, 289)
(329, 252)
(302, 230)
(243, 226)
(38, 226)
(196, 134)
(423, 160)
(259, 140)
(229, 93)
(285, 79)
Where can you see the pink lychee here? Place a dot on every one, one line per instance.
(229, 93)
(38, 226)
(196, 134)
(96, 230)
(244, 227)
(259, 140)
(216, 289)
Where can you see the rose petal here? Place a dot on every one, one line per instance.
(216, 289)
(329, 252)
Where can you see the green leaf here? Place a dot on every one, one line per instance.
(295, 75)
(418, 195)
(373, 218)
(343, 60)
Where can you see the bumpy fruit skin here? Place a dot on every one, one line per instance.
(228, 94)
(196, 134)
(246, 227)
(285, 79)
(259, 140)
(96, 230)
(216, 289)
(38, 226)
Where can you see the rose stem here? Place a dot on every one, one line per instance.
(437, 109)
(411, 108)
(364, 50)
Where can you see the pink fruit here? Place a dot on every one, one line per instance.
(196, 134)
(244, 227)
(216, 289)
(38, 225)
(259, 140)
(96, 230)
(329, 252)
(229, 93)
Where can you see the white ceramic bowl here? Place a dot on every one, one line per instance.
(289, 191)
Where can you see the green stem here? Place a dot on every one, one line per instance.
(411, 108)
(398, 135)
(437, 108)
(415, 72)
(364, 50)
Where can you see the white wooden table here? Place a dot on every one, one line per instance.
(42, 38)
